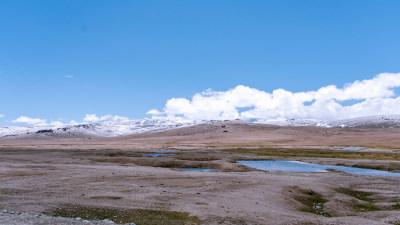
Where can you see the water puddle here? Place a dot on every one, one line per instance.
(157, 154)
(197, 169)
(294, 166)
(349, 149)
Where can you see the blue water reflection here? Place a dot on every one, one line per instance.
(197, 169)
(295, 166)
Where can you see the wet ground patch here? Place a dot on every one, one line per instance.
(117, 215)
(316, 153)
(312, 201)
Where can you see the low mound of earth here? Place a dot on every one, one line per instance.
(116, 179)
(251, 134)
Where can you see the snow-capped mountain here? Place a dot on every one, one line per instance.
(119, 127)
(110, 128)
(379, 121)
(113, 128)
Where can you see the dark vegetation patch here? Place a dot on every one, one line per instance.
(114, 153)
(120, 160)
(13, 191)
(106, 197)
(360, 195)
(367, 207)
(137, 216)
(171, 163)
(313, 202)
(392, 166)
(23, 174)
(196, 157)
(228, 220)
(316, 153)
(367, 204)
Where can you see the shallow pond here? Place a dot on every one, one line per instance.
(156, 154)
(197, 169)
(295, 166)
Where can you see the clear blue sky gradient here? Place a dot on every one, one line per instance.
(127, 57)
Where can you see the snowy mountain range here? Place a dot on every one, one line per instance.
(112, 128)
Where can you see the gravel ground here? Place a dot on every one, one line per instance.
(17, 218)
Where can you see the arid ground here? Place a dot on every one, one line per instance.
(112, 178)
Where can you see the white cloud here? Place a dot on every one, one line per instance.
(30, 121)
(375, 96)
(38, 122)
(1, 115)
(154, 112)
(94, 118)
(56, 124)
(69, 76)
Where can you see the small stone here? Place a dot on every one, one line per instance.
(108, 221)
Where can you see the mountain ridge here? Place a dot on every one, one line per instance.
(113, 128)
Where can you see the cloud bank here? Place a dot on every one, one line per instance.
(89, 118)
(36, 121)
(372, 97)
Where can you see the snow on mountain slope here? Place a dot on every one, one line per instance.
(379, 121)
(290, 122)
(112, 128)
(124, 127)
(11, 131)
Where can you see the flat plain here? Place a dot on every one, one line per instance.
(113, 178)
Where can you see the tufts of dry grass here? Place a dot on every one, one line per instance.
(117, 215)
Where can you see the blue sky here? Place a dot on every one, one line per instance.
(60, 60)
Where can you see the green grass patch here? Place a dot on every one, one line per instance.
(367, 207)
(120, 216)
(360, 195)
(396, 206)
(313, 202)
(316, 153)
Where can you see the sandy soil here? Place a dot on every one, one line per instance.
(46, 175)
